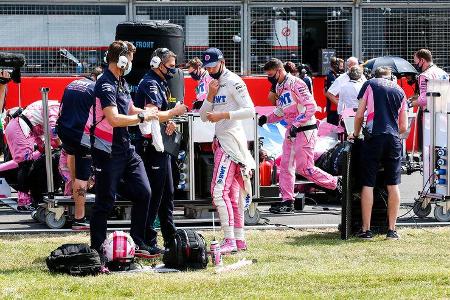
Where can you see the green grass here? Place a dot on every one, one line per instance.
(291, 264)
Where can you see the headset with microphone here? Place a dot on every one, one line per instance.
(122, 61)
(155, 62)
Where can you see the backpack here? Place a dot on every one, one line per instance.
(186, 251)
(74, 259)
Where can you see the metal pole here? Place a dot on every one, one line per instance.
(357, 32)
(256, 154)
(48, 150)
(131, 15)
(447, 154)
(191, 158)
(432, 96)
(20, 96)
(245, 41)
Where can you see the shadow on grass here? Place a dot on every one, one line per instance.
(320, 239)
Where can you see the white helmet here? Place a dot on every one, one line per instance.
(119, 247)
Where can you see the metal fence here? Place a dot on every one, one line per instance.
(204, 26)
(59, 39)
(401, 31)
(71, 37)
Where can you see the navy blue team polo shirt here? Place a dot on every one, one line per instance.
(152, 90)
(76, 102)
(385, 100)
(111, 93)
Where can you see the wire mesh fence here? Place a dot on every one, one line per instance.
(69, 38)
(204, 27)
(59, 39)
(339, 30)
(275, 32)
(402, 31)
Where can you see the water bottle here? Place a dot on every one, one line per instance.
(216, 256)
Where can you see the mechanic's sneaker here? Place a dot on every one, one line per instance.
(285, 207)
(145, 251)
(365, 235)
(80, 224)
(228, 246)
(241, 245)
(392, 235)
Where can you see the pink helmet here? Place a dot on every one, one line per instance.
(119, 247)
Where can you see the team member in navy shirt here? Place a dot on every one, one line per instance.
(114, 157)
(385, 103)
(76, 102)
(153, 92)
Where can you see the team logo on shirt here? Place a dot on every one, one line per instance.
(220, 99)
(201, 88)
(222, 171)
(153, 89)
(106, 87)
(285, 99)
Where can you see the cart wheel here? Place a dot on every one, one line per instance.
(40, 214)
(53, 223)
(34, 215)
(440, 215)
(420, 211)
(252, 215)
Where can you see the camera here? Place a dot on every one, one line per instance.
(11, 62)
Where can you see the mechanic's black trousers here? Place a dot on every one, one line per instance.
(109, 170)
(159, 172)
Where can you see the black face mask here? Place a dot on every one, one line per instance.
(418, 68)
(195, 75)
(217, 75)
(273, 79)
(170, 72)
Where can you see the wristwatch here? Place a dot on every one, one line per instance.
(141, 116)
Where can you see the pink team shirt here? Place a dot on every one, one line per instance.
(295, 104)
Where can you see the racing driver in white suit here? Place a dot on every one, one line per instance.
(228, 102)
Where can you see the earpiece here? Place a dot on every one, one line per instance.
(122, 62)
(155, 62)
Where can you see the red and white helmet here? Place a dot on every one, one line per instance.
(119, 247)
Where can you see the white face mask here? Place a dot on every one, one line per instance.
(128, 70)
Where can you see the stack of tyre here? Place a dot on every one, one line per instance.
(147, 36)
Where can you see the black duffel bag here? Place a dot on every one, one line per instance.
(74, 259)
(186, 251)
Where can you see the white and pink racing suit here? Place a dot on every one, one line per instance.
(21, 138)
(230, 188)
(297, 107)
(433, 72)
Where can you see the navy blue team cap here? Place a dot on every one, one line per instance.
(210, 57)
